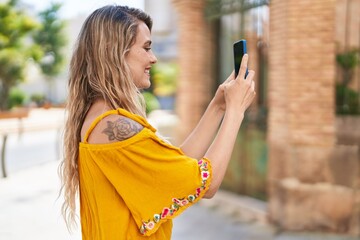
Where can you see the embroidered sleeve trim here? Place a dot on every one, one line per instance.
(180, 203)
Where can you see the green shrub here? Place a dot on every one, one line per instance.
(347, 101)
(16, 98)
(348, 61)
(164, 77)
(152, 103)
(38, 98)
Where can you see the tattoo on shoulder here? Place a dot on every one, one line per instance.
(122, 128)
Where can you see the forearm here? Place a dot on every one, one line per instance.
(221, 149)
(199, 140)
(238, 93)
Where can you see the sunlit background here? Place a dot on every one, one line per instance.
(295, 168)
(71, 9)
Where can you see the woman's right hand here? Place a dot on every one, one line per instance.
(240, 92)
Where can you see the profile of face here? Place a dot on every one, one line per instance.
(140, 57)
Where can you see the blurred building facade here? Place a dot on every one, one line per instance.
(305, 157)
(196, 59)
(313, 169)
(164, 32)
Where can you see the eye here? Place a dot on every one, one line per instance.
(147, 49)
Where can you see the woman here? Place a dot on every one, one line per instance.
(132, 183)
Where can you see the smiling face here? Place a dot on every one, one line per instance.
(140, 57)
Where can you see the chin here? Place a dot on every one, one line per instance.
(144, 86)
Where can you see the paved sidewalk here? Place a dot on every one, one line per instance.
(29, 206)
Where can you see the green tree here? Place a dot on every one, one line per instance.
(15, 47)
(347, 100)
(50, 36)
(348, 61)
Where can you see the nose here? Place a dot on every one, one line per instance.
(153, 58)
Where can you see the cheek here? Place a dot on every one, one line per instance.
(136, 62)
(133, 66)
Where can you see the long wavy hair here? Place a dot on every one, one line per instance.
(98, 69)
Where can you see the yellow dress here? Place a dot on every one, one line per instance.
(132, 189)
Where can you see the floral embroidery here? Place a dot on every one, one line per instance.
(157, 218)
(178, 203)
(150, 225)
(165, 212)
(205, 175)
(184, 202)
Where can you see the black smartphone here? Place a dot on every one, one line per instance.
(239, 51)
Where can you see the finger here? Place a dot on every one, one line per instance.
(251, 75)
(253, 89)
(231, 77)
(251, 78)
(253, 86)
(243, 67)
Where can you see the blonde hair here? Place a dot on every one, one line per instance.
(98, 70)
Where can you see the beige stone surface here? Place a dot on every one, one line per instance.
(345, 165)
(317, 206)
(310, 163)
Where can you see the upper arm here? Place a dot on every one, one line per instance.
(114, 128)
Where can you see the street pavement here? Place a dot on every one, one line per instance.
(30, 207)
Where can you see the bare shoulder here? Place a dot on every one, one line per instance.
(114, 128)
(120, 128)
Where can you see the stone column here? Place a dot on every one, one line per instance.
(196, 49)
(301, 133)
(253, 50)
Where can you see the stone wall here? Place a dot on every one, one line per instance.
(303, 193)
(345, 160)
(252, 48)
(196, 56)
